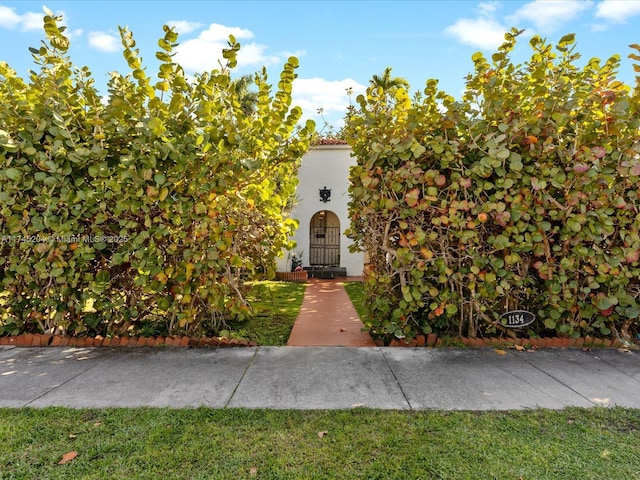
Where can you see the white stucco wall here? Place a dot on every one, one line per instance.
(324, 166)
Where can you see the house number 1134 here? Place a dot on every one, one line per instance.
(517, 318)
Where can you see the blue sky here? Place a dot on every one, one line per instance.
(340, 44)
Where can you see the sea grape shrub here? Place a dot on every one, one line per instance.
(151, 206)
(523, 195)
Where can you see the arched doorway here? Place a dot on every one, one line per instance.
(324, 241)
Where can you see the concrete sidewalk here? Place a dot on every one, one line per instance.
(318, 378)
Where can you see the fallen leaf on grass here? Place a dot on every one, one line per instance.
(253, 471)
(72, 436)
(500, 352)
(67, 457)
(322, 434)
(97, 424)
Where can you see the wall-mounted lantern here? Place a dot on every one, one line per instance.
(325, 193)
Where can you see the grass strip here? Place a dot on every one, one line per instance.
(355, 290)
(204, 443)
(276, 306)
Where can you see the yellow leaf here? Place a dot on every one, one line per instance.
(41, 248)
(500, 352)
(322, 434)
(161, 277)
(519, 348)
(67, 457)
(189, 270)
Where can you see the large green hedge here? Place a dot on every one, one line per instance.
(152, 204)
(523, 195)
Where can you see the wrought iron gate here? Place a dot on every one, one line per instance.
(324, 246)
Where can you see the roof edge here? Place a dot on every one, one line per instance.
(328, 141)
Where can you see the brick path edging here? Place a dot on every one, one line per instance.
(431, 340)
(44, 340)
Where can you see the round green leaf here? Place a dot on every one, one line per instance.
(13, 174)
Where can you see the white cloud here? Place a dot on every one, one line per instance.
(220, 33)
(71, 34)
(11, 20)
(197, 55)
(183, 27)
(488, 8)
(312, 94)
(549, 15)
(105, 42)
(32, 21)
(485, 33)
(204, 52)
(599, 27)
(8, 17)
(255, 54)
(617, 11)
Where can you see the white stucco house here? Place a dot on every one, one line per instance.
(322, 211)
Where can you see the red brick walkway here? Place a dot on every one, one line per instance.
(327, 318)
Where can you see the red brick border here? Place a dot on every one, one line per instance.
(548, 342)
(430, 340)
(43, 340)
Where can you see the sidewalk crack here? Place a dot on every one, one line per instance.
(618, 369)
(558, 380)
(63, 383)
(406, 399)
(233, 394)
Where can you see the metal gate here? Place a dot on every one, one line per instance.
(324, 246)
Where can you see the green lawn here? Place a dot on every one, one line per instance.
(355, 290)
(367, 444)
(277, 305)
